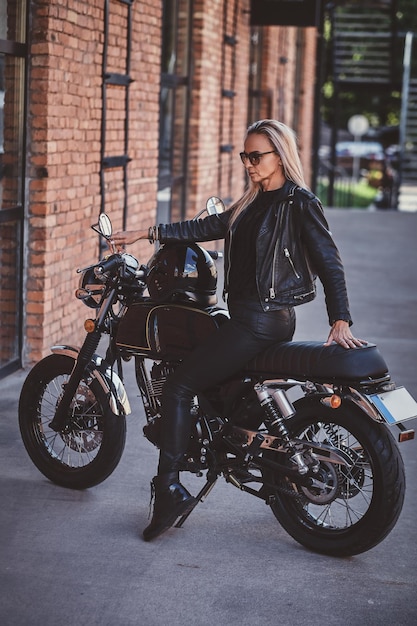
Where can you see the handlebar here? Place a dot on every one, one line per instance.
(110, 265)
(215, 254)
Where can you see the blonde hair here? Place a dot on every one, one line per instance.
(283, 140)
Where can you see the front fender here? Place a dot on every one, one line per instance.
(109, 380)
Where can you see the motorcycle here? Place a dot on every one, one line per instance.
(303, 427)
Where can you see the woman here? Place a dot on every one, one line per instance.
(276, 242)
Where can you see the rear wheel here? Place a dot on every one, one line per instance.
(350, 508)
(89, 450)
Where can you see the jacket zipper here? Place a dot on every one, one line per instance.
(272, 293)
(288, 255)
(272, 290)
(304, 295)
(229, 256)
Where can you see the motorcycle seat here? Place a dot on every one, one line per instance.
(311, 360)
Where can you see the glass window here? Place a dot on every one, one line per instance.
(173, 109)
(12, 140)
(13, 20)
(11, 130)
(9, 291)
(175, 37)
(255, 76)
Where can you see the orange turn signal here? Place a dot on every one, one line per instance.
(335, 401)
(406, 435)
(89, 326)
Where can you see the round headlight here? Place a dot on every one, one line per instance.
(90, 289)
(131, 265)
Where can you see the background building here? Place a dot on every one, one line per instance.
(133, 107)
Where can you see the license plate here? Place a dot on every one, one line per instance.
(395, 406)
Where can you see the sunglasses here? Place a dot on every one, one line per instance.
(254, 157)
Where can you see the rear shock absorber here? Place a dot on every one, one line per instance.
(277, 408)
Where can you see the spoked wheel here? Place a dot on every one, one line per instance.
(88, 451)
(349, 508)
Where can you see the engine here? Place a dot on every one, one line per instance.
(151, 389)
(150, 386)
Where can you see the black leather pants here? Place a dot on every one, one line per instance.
(249, 331)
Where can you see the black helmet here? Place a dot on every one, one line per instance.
(182, 272)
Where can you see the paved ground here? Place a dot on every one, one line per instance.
(76, 558)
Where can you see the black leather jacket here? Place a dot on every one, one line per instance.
(294, 245)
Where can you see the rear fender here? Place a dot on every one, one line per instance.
(109, 380)
(363, 403)
(352, 397)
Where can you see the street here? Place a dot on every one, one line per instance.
(76, 558)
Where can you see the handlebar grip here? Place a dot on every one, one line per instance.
(109, 265)
(215, 254)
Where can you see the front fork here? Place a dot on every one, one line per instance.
(85, 355)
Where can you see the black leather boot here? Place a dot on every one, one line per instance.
(171, 501)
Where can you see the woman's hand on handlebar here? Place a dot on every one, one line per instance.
(127, 237)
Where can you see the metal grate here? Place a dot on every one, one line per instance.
(363, 40)
(408, 127)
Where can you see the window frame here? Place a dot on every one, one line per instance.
(16, 212)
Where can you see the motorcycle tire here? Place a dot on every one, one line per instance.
(89, 451)
(354, 507)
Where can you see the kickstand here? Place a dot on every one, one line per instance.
(202, 494)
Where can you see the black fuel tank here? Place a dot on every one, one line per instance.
(165, 332)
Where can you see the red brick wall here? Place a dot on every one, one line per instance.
(279, 60)
(65, 104)
(209, 170)
(306, 120)
(64, 125)
(210, 113)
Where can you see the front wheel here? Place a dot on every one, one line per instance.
(89, 450)
(349, 508)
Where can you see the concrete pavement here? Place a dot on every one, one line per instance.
(76, 558)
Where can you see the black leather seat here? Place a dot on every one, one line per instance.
(312, 360)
